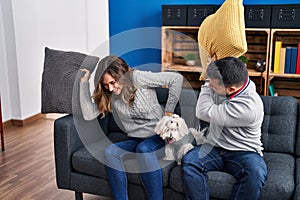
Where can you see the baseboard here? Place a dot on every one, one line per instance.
(7, 124)
(20, 123)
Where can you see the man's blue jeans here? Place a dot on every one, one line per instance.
(248, 168)
(151, 173)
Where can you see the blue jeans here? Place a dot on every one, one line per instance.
(248, 168)
(145, 149)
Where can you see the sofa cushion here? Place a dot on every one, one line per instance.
(188, 101)
(279, 125)
(114, 126)
(279, 185)
(186, 105)
(90, 160)
(280, 181)
(162, 96)
(61, 78)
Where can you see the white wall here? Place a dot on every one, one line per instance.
(3, 70)
(28, 27)
(9, 87)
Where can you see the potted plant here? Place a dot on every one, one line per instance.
(190, 58)
(244, 59)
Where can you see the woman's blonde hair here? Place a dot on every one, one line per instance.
(122, 73)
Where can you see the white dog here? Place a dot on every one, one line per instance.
(178, 136)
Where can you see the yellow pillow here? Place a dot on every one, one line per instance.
(223, 33)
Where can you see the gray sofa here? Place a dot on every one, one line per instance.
(79, 145)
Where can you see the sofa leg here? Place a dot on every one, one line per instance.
(78, 196)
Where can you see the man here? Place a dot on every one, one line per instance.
(229, 102)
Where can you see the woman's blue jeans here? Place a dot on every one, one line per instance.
(248, 168)
(151, 174)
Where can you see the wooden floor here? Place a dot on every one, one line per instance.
(27, 169)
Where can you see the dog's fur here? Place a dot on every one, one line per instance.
(178, 137)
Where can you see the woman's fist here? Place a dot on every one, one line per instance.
(86, 76)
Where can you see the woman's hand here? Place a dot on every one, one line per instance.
(86, 76)
(168, 113)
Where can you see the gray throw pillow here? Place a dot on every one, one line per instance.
(61, 78)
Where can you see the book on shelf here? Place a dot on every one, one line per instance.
(272, 89)
(282, 60)
(278, 45)
(298, 60)
(293, 60)
(287, 60)
(288, 55)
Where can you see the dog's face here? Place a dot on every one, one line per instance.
(171, 128)
(172, 124)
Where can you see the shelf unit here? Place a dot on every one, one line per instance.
(289, 37)
(285, 84)
(177, 41)
(258, 41)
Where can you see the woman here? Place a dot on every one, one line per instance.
(130, 94)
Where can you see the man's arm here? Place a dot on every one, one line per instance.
(205, 101)
(233, 113)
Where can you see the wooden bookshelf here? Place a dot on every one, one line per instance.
(178, 41)
(286, 84)
(258, 40)
(289, 37)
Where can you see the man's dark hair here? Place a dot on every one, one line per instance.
(229, 70)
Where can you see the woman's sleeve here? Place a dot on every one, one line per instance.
(89, 109)
(171, 80)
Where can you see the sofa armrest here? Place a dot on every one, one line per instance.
(70, 134)
(66, 142)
